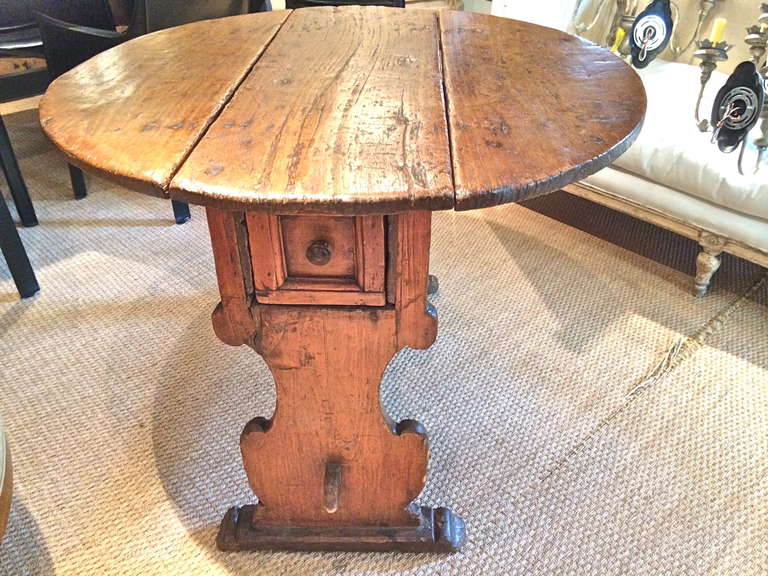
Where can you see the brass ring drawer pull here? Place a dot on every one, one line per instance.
(319, 253)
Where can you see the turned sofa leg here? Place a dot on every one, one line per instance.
(708, 261)
(706, 265)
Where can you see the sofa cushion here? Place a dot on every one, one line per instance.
(671, 151)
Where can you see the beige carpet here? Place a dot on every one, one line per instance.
(124, 410)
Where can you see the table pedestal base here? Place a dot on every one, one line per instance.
(438, 531)
(331, 470)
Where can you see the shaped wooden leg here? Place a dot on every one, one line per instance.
(707, 262)
(330, 469)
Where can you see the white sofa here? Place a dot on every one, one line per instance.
(673, 176)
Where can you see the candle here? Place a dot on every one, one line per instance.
(718, 27)
(620, 33)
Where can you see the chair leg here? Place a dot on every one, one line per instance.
(433, 286)
(15, 255)
(15, 181)
(181, 212)
(707, 262)
(78, 182)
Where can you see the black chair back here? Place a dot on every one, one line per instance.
(168, 13)
(293, 4)
(91, 13)
(16, 13)
(19, 37)
(67, 45)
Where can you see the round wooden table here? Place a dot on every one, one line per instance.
(320, 140)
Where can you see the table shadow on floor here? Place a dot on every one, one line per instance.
(23, 551)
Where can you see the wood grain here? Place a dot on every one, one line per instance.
(343, 114)
(232, 318)
(531, 109)
(298, 232)
(345, 111)
(133, 113)
(327, 363)
(410, 236)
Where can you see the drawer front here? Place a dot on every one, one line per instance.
(319, 248)
(323, 260)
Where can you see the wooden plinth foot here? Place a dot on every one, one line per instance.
(438, 530)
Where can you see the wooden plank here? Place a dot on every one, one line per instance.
(133, 113)
(370, 253)
(531, 109)
(410, 236)
(232, 318)
(305, 297)
(327, 364)
(266, 250)
(343, 114)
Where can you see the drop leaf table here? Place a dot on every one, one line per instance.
(320, 141)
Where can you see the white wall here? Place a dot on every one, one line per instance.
(553, 13)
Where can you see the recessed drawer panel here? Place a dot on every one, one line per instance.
(323, 260)
(318, 247)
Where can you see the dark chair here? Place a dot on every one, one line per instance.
(14, 87)
(15, 255)
(259, 6)
(293, 4)
(168, 13)
(91, 13)
(19, 36)
(66, 45)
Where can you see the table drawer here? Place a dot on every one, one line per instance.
(324, 260)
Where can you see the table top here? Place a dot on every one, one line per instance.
(353, 110)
